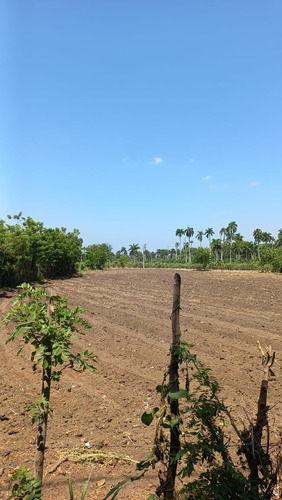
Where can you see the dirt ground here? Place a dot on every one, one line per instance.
(222, 313)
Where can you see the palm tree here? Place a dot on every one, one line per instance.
(267, 237)
(133, 250)
(231, 230)
(257, 234)
(176, 248)
(248, 249)
(209, 233)
(278, 242)
(223, 234)
(189, 233)
(123, 251)
(216, 247)
(180, 233)
(238, 244)
(199, 236)
(172, 253)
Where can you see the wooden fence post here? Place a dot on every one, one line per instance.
(174, 387)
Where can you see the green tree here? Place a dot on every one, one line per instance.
(201, 256)
(199, 236)
(29, 251)
(134, 250)
(271, 258)
(176, 248)
(216, 247)
(162, 253)
(172, 253)
(249, 250)
(257, 234)
(189, 231)
(50, 326)
(231, 230)
(223, 234)
(278, 242)
(97, 256)
(267, 237)
(209, 233)
(238, 245)
(148, 255)
(180, 233)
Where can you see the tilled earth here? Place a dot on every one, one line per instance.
(222, 313)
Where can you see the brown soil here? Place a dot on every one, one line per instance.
(222, 313)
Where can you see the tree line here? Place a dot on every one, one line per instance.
(264, 252)
(31, 252)
(230, 244)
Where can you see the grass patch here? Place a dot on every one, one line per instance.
(82, 455)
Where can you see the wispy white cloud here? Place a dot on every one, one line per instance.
(207, 178)
(158, 160)
(254, 183)
(191, 160)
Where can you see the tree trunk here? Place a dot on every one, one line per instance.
(45, 393)
(174, 387)
(42, 426)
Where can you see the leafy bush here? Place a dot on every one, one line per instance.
(123, 261)
(29, 251)
(97, 256)
(202, 256)
(271, 258)
(242, 265)
(23, 486)
(201, 449)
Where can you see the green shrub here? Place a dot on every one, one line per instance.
(202, 256)
(23, 486)
(30, 252)
(97, 256)
(271, 258)
(205, 455)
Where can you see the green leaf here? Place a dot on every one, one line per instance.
(179, 394)
(147, 418)
(173, 423)
(45, 364)
(115, 490)
(86, 485)
(70, 488)
(145, 464)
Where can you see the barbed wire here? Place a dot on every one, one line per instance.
(99, 446)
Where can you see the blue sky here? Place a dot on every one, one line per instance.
(128, 119)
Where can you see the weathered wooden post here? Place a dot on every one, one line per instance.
(174, 387)
(255, 453)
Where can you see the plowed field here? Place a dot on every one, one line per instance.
(222, 313)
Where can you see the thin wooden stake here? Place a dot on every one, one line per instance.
(45, 392)
(174, 387)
